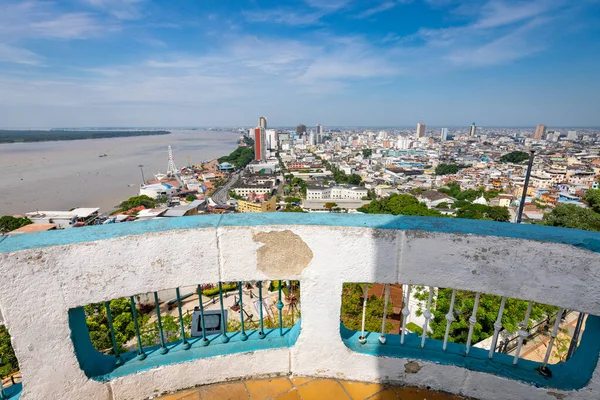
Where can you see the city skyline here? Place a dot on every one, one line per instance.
(378, 63)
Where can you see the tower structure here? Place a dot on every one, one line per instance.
(171, 168)
(421, 129)
(540, 131)
(473, 130)
(262, 122)
(444, 135)
(260, 143)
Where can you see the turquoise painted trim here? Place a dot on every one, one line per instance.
(571, 375)
(13, 392)
(104, 368)
(575, 237)
(91, 361)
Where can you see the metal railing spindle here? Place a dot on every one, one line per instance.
(523, 333)
(261, 333)
(497, 327)
(544, 370)
(113, 338)
(141, 355)
(405, 313)
(204, 341)
(362, 339)
(280, 308)
(163, 348)
(185, 344)
(243, 336)
(224, 337)
(427, 314)
(472, 322)
(449, 319)
(382, 338)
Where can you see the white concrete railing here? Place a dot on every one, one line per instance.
(41, 284)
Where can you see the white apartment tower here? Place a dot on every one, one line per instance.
(262, 122)
(444, 135)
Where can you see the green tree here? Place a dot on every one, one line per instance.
(291, 199)
(592, 197)
(137, 201)
(572, 216)
(398, 204)
(481, 211)
(190, 198)
(354, 179)
(367, 153)
(515, 157)
(352, 303)
(447, 169)
(7, 354)
(97, 322)
(240, 157)
(330, 205)
(443, 205)
(9, 223)
(487, 312)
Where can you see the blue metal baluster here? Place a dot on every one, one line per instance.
(2, 394)
(185, 345)
(243, 336)
(204, 341)
(163, 348)
(112, 331)
(261, 333)
(280, 308)
(224, 337)
(141, 355)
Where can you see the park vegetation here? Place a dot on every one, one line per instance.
(19, 136)
(515, 157)
(9, 223)
(240, 157)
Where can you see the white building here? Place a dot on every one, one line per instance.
(444, 135)
(272, 140)
(157, 190)
(421, 129)
(572, 135)
(336, 192)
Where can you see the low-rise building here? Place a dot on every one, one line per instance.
(336, 192)
(257, 204)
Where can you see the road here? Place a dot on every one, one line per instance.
(221, 196)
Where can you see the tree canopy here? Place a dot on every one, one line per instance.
(137, 201)
(398, 204)
(240, 157)
(352, 301)
(592, 197)
(367, 153)
(572, 216)
(7, 354)
(9, 223)
(481, 211)
(515, 157)
(446, 169)
(487, 312)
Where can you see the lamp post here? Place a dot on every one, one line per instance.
(141, 167)
(525, 186)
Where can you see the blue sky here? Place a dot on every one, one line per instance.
(335, 62)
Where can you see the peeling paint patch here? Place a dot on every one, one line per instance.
(559, 396)
(282, 253)
(412, 367)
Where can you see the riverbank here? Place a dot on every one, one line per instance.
(26, 136)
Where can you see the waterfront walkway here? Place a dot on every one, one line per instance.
(298, 388)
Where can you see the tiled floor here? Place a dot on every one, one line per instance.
(306, 389)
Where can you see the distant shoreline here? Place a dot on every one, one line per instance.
(31, 136)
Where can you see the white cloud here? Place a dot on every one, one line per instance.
(120, 9)
(384, 6)
(17, 55)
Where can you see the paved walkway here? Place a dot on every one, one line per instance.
(306, 389)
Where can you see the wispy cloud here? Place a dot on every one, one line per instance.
(121, 9)
(17, 55)
(286, 17)
(384, 6)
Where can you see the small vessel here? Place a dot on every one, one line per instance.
(102, 155)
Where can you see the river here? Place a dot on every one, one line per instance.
(62, 175)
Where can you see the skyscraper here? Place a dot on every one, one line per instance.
(421, 129)
(319, 129)
(272, 139)
(540, 131)
(473, 130)
(571, 135)
(260, 144)
(444, 135)
(262, 122)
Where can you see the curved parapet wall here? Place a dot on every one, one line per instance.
(48, 274)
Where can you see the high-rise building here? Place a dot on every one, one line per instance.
(444, 135)
(262, 122)
(319, 129)
(312, 139)
(540, 131)
(260, 144)
(473, 130)
(571, 135)
(421, 129)
(272, 139)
